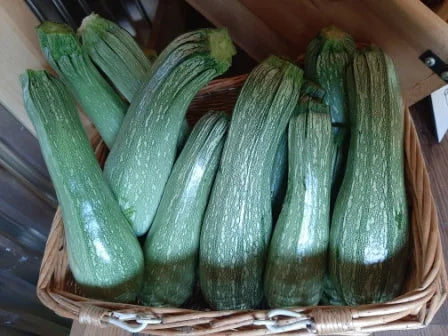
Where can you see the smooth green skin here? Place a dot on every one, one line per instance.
(172, 245)
(326, 60)
(141, 159)
(103, 252)
(97, 98)
(297, 257)
(369, 228)
(238, 220)
(117, 54)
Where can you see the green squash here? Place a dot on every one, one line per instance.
(103, 253)
(172, 245)
(237, 223)
(298, 250)
(141, 159)
(369, 228)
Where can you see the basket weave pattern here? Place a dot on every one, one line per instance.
(425, 292)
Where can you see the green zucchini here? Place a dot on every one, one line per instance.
(141, 159)
(237, 223)
(172, 245)
(369, 228)
(104, 255)
(297, 257)
(280, 168)
(115, 52)
(97, 98)
(326, 61)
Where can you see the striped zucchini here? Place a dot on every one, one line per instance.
(369, 229)
(141, 159)
(326, 61)
(115, 52)
(97, 98)
(172, 245)
(297, 257)
(103, 252)
(237, 223)
(280, 167)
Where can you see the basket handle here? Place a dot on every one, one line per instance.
(100, 317)
(275, 324)
(320, 321)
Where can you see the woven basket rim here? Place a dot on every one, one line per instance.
(414, 309)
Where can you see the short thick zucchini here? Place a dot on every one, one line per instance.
(103, 252)
(237, 223)
(369, 229)
(298, 250)
(172, 246)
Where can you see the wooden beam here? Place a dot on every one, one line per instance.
(169, 22)
(404, 29)
(246, 29)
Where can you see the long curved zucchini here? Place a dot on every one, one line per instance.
(97, 98)
(369, 229)
(326, 61)
(172, 245)
(104, 254)
(141, 159)
(237, 223)
(298, 250)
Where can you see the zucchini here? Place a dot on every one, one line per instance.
(97, 98)
(237, 223)
(141, 159)
(369, 228)
(280, 168)
(172, 245)
(297, 257)
(115, 52)
(104, 255)
(326, 61)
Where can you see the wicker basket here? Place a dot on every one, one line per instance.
(426, 289)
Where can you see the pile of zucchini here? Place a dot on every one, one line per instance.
(298, 198)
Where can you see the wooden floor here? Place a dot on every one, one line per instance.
(436, 156)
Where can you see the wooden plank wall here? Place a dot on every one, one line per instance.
(20, 51)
